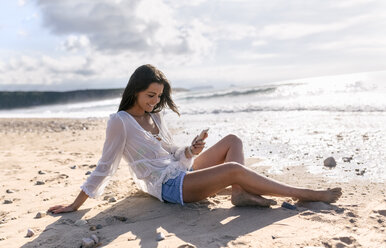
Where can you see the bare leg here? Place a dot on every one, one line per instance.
(230, 149)
(202, 183)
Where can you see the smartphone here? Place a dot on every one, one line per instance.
(202, 134)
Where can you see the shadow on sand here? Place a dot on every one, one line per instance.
(200, 224)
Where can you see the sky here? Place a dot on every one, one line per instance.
(81, 44)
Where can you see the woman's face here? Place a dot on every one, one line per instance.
(147, 99)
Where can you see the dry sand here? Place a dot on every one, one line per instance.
(53, 146)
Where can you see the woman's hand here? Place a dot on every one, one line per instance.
(61, 209)
(198, 145)
(80, 199)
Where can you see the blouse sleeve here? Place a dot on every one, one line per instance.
(177, 151)
(111, 157)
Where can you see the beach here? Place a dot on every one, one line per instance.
(44, 161)
(300, 87)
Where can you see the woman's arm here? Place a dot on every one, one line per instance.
(107, 166)
(82, 197)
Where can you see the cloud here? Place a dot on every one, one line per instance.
(21, 2)
(78, 70)
(351, 3)
(285, 31)
(184, 3)
(120, 26)
(40, 71)
(75, 43)
(257, 43)
(232, 31)
(366, 45)
(2, 66)
(34, 16)
(255, 56)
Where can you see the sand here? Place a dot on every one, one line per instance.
(54, 146)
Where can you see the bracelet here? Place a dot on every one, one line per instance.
(190, 151)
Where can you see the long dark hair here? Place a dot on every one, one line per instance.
(139, 81)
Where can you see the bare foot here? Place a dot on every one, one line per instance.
(328, 196)
(242, 199)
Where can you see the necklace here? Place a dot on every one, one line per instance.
(156, 135)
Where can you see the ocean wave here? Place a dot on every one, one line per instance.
(332, 102)
(284, 91)
(326, 87)
(281, 109)
(226, 93)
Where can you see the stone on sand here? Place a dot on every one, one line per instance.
(347, 159)
(360, 172)
(40, 182)
(160, 236)
(95, 238)
(87, 243)
(42, 172)
(10, 191)
(8, 201)
(330, 162)
(120, 218)
(382, 212)
(112, 199)
(40, 215)
(80, 222)
(30, 233)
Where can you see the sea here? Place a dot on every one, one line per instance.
(327, 96)
(284, 124)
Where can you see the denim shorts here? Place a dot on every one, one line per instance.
(172, 189)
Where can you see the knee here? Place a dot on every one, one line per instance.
(234, 140)
(234, 169)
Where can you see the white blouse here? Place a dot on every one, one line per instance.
(151, 161)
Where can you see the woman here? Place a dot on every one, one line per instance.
(138, 133)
